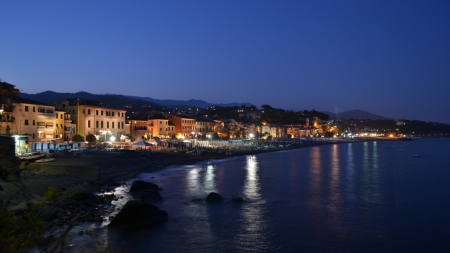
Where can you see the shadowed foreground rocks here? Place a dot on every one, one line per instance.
(213, 197)
(138, 214)
(140, 185)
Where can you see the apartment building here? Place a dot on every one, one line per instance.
(91, 117)
(37, 121)
(184, 126)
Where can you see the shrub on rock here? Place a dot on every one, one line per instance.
(138, 214)
(140, 185)
(214, 197)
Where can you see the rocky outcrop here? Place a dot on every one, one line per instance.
(138, 214)
(140, 185)
(150, 196)
(9, 164)
(81, 194)
(213, 197)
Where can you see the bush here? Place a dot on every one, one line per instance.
(77, 138)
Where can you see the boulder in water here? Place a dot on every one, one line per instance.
(138, 214)
(151, 195)
(140, 185)
(214, 197)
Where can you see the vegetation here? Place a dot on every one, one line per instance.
(17, 234)
(77, 138)
(91, 139)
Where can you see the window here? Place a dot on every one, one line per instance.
(34, 136)
(73, 111)
(96, 124)
(101, 124)
(89, 124)
(122, 123)
(89, 111)
(96, 112)
(61, 126)
(26, 108)
(34, 123)
(101, 113)
(160, 122)
(160, 129)
(26, 122)
(56, 116)
(83, 111)
(112, 124)
(34, 109)
(107, 124)
(113, 114)
(61, 116)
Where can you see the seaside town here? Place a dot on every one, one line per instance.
(77, 147)
(75, 123)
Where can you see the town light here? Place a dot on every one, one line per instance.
(112, 138)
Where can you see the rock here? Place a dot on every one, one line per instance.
(214, 197)
(150, 195)
(48, 213)
(9, 171)
(138, 214)
(46, 241)
(81, 194)
(140, 185)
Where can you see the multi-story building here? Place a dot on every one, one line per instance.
(203, 126)
(184, 126)
(161, 127)
(35, 120)
(91, 117)
(139, 129)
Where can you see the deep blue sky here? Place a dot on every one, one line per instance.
(387, 57)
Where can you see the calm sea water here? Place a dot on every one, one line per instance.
(355, 197)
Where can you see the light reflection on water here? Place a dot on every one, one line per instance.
(354, 197)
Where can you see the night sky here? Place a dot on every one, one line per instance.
(390, 58)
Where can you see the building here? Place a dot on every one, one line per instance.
(184, 126)
(35, 120)
(161, 127)
(203, 126)
(91, 117)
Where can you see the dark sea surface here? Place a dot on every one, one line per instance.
(352, 197)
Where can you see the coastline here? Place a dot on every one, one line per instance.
(101, 172)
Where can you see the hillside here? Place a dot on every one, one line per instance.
(108, 100)
(355, 114)
(188, 103)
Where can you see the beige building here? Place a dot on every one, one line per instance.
(90, 117)
(36, 121)
(161, 127)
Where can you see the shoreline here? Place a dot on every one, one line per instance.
(100, 169)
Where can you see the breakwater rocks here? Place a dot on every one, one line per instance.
(138, 214)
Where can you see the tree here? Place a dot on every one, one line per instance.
(77, 138)
(91, 139)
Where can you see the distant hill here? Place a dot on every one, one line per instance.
(187, 103)
(113, 100)
(355, 114)
(108, 100)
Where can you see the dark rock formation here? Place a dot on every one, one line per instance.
(214, 197)
(81, 194)
(9, 164)
(140, 185)
(151, 195)
(138, 214)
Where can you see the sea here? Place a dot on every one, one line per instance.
(378, 196)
